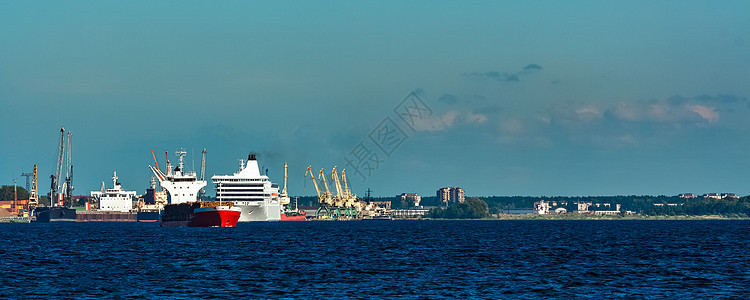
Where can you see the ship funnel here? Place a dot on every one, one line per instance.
(251, 156)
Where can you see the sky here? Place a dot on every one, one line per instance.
(566, 98)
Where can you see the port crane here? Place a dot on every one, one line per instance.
(315, 182)
(55, 178)
(69, 169)
(325, 200)
(203, 172)
(339, 197)
(284, 197)
(345, 206)
(33, 194)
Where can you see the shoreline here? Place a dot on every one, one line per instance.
(506, 217)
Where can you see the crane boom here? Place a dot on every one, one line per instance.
(315, 182)
(203, 165)
(283, 192)
(169, 166)
(154, 154)
(327, 196)
(69, 170)
(325, 183)
(54, 178)
(337, 183)
(347, 192)
(33, 197)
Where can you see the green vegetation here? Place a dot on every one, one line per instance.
(6, 193)
(473, 208)
(647, 207)
(728, 207)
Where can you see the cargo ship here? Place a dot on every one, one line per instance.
(182, 186)
(114, 199)
(43, 214)
(151, 204)
(200, 214)
(251, 191)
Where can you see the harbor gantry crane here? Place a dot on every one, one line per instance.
(321, 196)
(350, 199)
(327, 194)
(344, 206)
(341, 205)
(33, 194)
(324, 198)
(54, 178)
(69, 169)
(339, 197)
(203, 165)
(203, 173)
(284, 197)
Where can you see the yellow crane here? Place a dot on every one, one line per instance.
(340, 199)
(315, 182)
(327, 194)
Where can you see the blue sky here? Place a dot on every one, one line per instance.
(531, 98)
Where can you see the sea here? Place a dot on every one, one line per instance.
(426, 259)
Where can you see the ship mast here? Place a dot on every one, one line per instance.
(181, 164)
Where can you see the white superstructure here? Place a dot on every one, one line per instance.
(257, 196)
(114, 199)
(181, 185)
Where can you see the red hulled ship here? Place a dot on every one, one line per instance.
(200, 214)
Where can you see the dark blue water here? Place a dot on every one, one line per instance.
(378, 259)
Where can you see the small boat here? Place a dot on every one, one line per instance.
(294, 216)
(381, 218)
(200, 214)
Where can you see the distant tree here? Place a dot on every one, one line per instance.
(473, 208)
(43, 200)
(6, 193)
(398, 203)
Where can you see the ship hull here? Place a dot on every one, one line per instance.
(220, 216)
(193, 215)
(259, 211)
(148, 216)
(54, 214)
(285, 217)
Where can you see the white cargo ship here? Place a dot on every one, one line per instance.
(181, 185)
(114, 199)
(251, 191)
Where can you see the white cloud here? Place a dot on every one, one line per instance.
(708, 113)
(511, 127)
(476, 118)
(588, 113)
(437, 123)
(448, 120)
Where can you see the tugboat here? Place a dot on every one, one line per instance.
(200, 214)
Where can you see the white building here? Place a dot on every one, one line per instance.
(412, 197)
